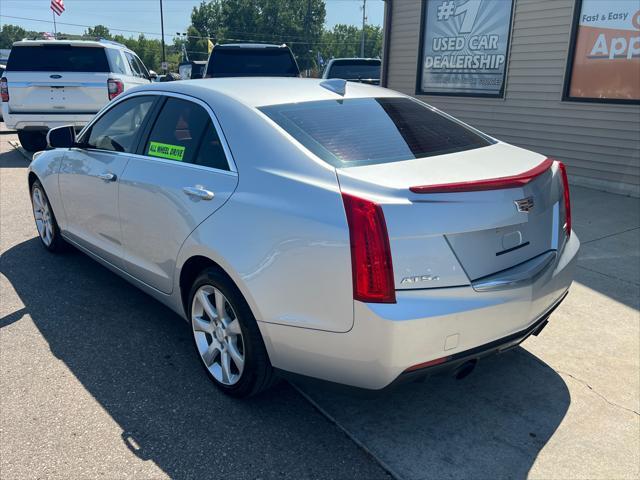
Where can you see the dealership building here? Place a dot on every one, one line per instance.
(560, 77)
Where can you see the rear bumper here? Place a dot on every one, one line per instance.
(44, 120)
(454, 362)
(459, 323)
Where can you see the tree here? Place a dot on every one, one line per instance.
(299, 23)
(344, 41)
(196, 45)
(150, 51)
(99, 31)
(12, 33)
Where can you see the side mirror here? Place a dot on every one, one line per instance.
(62, 137)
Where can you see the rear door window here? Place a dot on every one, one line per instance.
(252, 62)
(141, 68)
(364, 131)
(177, 131)
(119, 128)
(57, 58)
(138, 69)
(184, 132)
(211, 153)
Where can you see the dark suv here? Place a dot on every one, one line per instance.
(251, 60)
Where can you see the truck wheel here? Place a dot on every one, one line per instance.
(33, 140)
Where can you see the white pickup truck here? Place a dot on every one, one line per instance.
(49, 83)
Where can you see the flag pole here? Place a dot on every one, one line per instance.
(55, 28)
(164, 58)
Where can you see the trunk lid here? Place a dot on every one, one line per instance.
(451, 238)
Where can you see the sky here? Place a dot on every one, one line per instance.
(130, 17)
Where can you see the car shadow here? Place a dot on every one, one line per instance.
(13, 158)
(492, 424)
(135, 357)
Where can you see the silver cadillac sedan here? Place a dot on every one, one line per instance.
(331, 229)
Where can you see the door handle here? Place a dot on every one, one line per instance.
(108, 177)
(198, 192)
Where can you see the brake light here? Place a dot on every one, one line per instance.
(513, 181)
(567, 198)
(115, 88)
(371, 265)
(4, 89)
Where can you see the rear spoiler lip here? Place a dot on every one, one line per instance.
(498, 183)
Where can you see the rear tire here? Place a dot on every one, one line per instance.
(32, 140)
(232, 339)
(46, 224)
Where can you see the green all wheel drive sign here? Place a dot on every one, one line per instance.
(165, 150)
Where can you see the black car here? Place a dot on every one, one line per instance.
(251, 60)
(364, 70)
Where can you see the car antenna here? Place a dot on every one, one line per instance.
(335, 85)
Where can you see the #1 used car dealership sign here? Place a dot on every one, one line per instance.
(464, 47)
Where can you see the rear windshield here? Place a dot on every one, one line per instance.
(365, 131)
(249, 62)
(57, 58)
(355, 70)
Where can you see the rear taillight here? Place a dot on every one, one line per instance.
(115, 88)
(4, 89)
(567, 198)
(371, 265)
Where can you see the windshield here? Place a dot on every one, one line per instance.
(355, 70)
(364, 131)
(252, 62)
(57, 58)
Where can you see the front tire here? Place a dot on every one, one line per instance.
(227, 338)
(32, 140)
(46, 224)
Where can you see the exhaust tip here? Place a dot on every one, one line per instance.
(465, 369)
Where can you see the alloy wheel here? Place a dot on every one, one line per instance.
(42, 215)
(218, 336)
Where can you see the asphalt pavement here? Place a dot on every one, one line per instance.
(97, 380)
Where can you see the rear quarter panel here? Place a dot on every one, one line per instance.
(282, 236)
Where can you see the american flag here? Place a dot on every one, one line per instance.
(57, 6)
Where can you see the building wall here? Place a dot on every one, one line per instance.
(600, 143)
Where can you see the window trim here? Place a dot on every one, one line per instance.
(503, 89)
(568, 74)
(160, 98)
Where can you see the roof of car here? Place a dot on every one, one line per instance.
(354, 59)
(249, 45)
(263, 91)
(75, 43)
